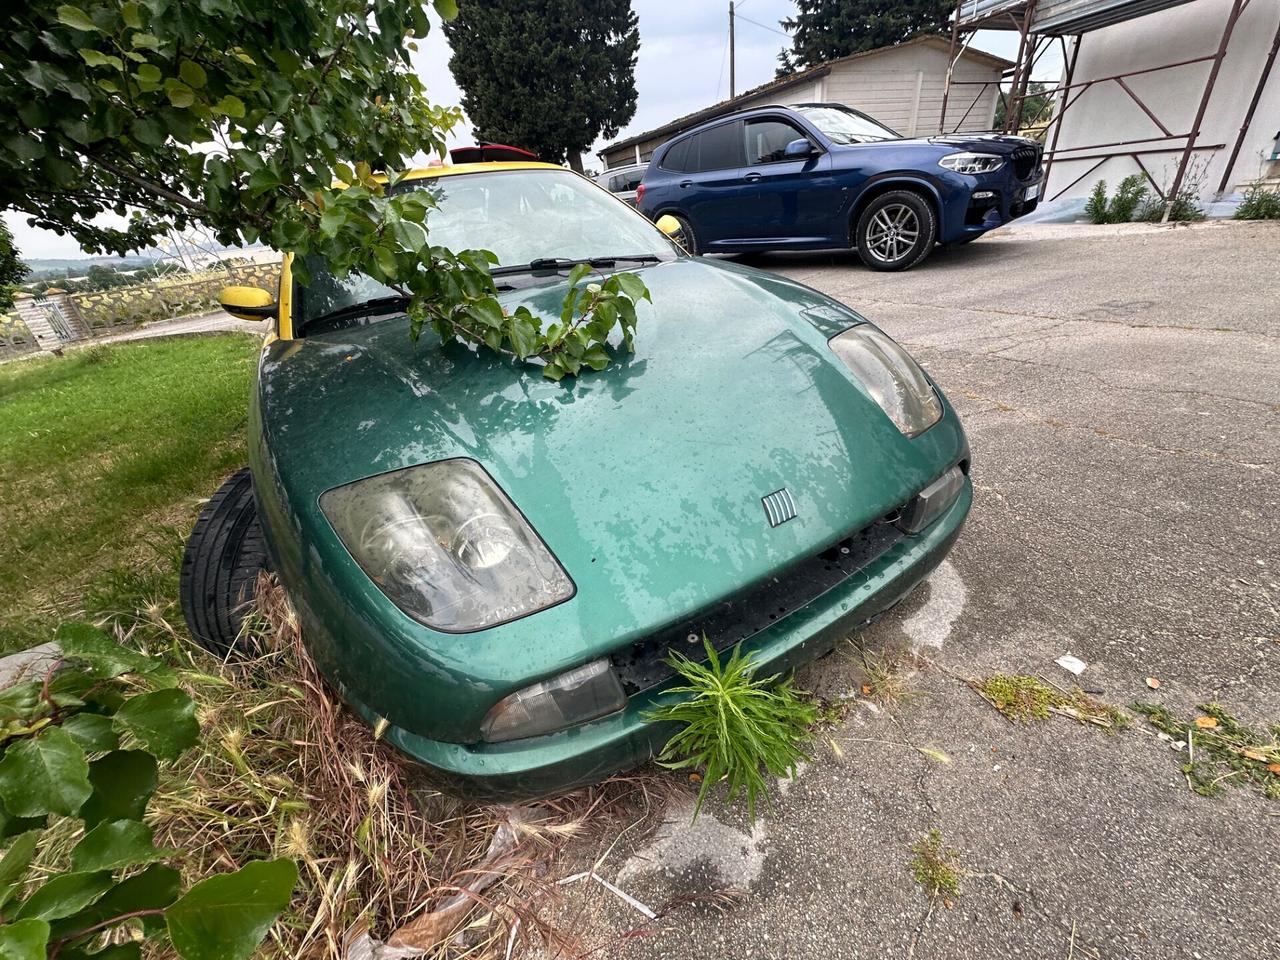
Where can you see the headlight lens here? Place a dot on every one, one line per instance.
(582, 694)
(891, 377)
(446, 546)
(971, 162)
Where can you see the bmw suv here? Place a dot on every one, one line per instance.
(814, 176)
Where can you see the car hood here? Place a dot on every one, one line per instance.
(646, 479)
(997, 143)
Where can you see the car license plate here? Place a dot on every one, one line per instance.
(1031, 193)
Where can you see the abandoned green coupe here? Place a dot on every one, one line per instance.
(496, 565)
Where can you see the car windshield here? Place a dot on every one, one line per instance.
(521, 216)
(842, 125)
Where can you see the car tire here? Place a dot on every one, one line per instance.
(896, 231)
(690, 238)
(220, 565)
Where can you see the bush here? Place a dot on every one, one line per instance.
(83, 744)
(1260, 203)
(735, 724)
(1120, 208)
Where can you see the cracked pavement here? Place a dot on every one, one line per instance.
(1121, 391)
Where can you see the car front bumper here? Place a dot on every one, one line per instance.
(554, 763)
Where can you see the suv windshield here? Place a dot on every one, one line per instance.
(844, 125)
(521, 216)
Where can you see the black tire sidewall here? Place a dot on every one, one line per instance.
(690, 235)
(220, 565)
(924, 244)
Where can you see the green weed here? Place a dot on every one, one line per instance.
(936, 869)
(1221, 751)
(735, 724)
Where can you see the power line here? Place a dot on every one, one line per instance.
(763, 26)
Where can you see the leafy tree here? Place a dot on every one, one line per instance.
(829, 29)
(1037, 109)
(547, 75)
(106, 278)
(241, 115)
(12, 270)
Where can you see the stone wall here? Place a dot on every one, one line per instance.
(48, 322)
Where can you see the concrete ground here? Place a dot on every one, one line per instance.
(1121, 390)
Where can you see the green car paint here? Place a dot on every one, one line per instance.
(645, 481)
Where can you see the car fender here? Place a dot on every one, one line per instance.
(895, 179)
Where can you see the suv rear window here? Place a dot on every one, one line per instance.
(720, 147)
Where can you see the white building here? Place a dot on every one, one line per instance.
(1137, 75)
(900, 86)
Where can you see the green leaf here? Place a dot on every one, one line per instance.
(115, 844)
(230, 106)
(46, 774)
(24, 940)
(105, 657)
(11, 825)
(192, 74)
(65, 894)
(18, 857)
(225, 917)
(153, 889)
(131, 14)
(179, 94)
(632, 286)
(579, 271)
(447, 9)
(148, 73)
(94, 733)
(147, 131)
(117, 951)
(96, 59)
(76, 18)
(596, 357)
(144, 41)
(164, 722)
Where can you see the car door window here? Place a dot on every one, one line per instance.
(719, 148)
(767, 140)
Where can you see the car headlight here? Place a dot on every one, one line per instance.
(971, 162)
(582, 694)
(446, 546)
(891, 377)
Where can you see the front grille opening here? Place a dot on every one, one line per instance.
(1025, 161)
(643, 665)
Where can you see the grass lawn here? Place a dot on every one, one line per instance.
(105, 455)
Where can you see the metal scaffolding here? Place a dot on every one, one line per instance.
(1040, 25)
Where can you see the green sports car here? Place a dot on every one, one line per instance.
(497, 565)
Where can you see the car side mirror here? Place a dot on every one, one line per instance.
(800, 149)
(247, 303)
(670, 226)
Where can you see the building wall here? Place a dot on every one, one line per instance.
(1106, 114)
(903, 88)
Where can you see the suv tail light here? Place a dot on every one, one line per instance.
(639, 192)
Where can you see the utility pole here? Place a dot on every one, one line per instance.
(731, 62)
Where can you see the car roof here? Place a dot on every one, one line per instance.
(487, 166)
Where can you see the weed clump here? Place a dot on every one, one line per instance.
(1024, 699)
(1120, 208)
(735, 723)
(1259, 203)
(936, 869)
(1221, 751)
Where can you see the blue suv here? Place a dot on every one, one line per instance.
(813, 176)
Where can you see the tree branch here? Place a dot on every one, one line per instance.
(56, 947)
(171, 195)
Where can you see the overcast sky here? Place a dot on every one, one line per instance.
(683, 67)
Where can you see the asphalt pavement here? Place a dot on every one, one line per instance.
(1121, 391)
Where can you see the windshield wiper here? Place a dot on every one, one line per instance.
(557, 264)
(362, 309)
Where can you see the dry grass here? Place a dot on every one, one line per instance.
(284, 769)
